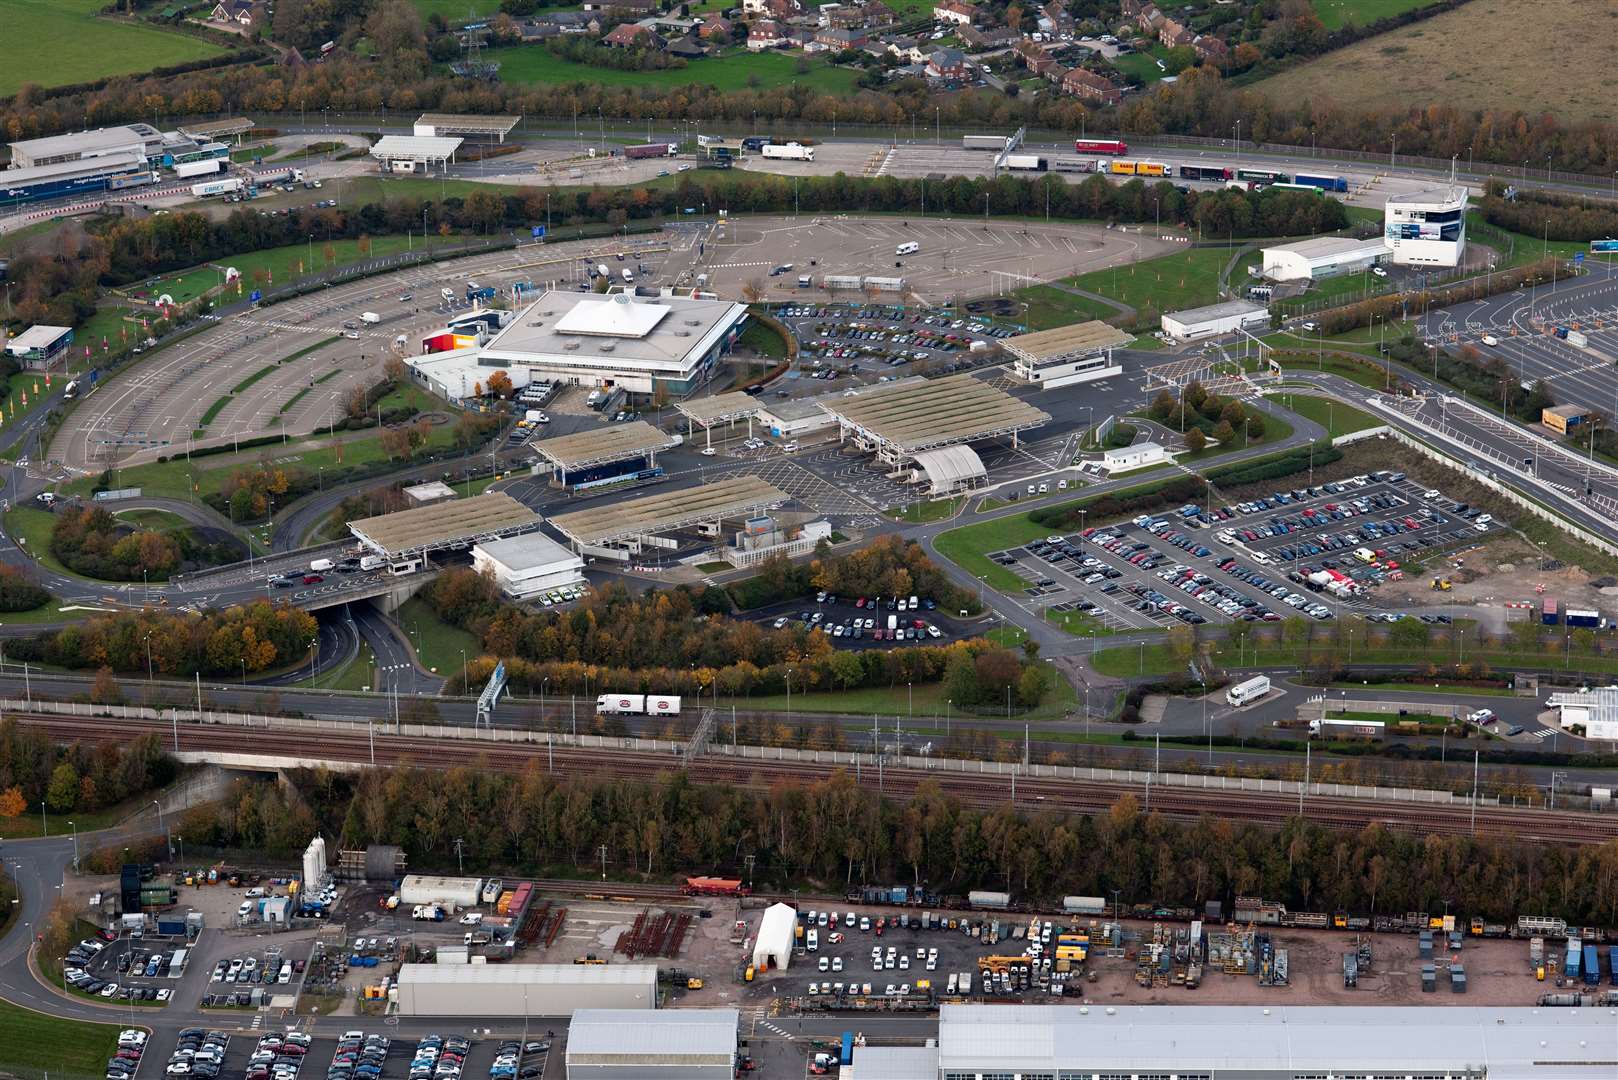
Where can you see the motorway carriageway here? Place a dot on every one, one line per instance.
(980, 791)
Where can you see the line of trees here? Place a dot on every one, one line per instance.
(1396, 307)
(34, 769)
(836, 832)
(259, 635)
(1548, 215)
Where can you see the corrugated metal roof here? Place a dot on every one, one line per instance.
(444, 523)
(669, 510)
(1510, 1043)
(1085, 337)
(625, 1036)
(1326, 247)
(533, 974)
(415, 147)
(896, 1063)
(614, 442)
(959, 408)
(1214, 312)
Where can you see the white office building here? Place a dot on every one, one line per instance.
(1593, 713)
(1322, 257)
(528, 565)
(1138, 456)
(639, 344)
(1427, 228)
(1215, 319)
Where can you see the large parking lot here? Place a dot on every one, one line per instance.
(1316, 550)
(877, 339)
(361, 1054)
(866, 622)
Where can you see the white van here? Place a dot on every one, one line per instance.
(371, 562)
(321, 565)
(907, 249)
(812, 941)
(915, 605)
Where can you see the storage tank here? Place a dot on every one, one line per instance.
(983, 899)
(1084, 905)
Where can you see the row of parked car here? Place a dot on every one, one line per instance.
(198, 1053)
(1312, 608)
(360, 1057)
(247, 970)
(125, 1060)
(278, 1056)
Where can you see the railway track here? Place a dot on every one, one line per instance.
(1522, 824)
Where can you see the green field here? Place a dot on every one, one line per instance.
(287, 262)
(967, 545)
(1338, 13)
(31, 528)
(524, 64)
(923, 699)
(438, 644)
(1335, 417)
(66, 43)
(456, 11)
(158, 520)
(1160, 659)
(1183, 279)
(33, 1043)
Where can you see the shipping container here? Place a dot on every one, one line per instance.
(1084, 905)
(1549, 613)
(1026, 163)
(171, 927)
(1592, 966)
(996, 143)
(1583, 617)
(1612, 964)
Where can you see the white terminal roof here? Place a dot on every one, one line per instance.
(38, 337)
(1330, 247)
(668, 1037)
(432, 489)
(527, 552)
(670, 511)
(468, 124)
(610, 442)
(666, 335)
(618, 316)
(415, 147)
(1216, 312)
(1254, 1041)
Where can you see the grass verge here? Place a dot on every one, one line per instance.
(32, 1042)
(438, 644)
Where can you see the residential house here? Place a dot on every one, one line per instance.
(686, 48)
(715, 27)
(1211, 49)
(982, 40)
(1056, 73)
(675, 25)
(906, 48)
(1091, 87)
(1150, 19)
(1173, 34)
(837, 39)
(238, 12)
(631, 36)
(844, 16)
(948, 64)
(958, 12)
(765, 34)
(1131, 9)
(532, 30)
(1034, 55)
(574, 22)
(878, 14)
(637, 9)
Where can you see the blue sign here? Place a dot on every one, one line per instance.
(1578, 257)
(539, 230)
(257, 296)
(1598, 246)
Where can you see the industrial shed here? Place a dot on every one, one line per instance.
(1215, 319)
(1322, 257)
(495, 990)
(948, 469)
(620, 1044)
(776, 935)
(430, 889)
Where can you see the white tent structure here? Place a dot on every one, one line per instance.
(773, 946)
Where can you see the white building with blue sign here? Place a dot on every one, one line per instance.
(619, 341)
(1427, 228)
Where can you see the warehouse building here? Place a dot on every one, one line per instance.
(523, 990)
(37, 346)
(142, 139)
(457, 375)
(528, 566)
(63, 179)
(1427, 228)
(1215, 319)
(1560, 418)
(1322, 257)
(431, 889)
(637, 344)
(1067, 354)
(1223, 1042)
(684, 1044)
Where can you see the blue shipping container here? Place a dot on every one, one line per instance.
(1612, 963)
(1572, 965)
(847, 1057)
(1592, 966)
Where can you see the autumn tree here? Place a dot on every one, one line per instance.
(63, 791)
(500, 385)
(1195, 440)
(394, 369)
(12, 803)
(396, 442)
(105, 691)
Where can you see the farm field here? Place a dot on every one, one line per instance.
(1338, 13)
(532, 64)
(66, 43)
(1421, 65)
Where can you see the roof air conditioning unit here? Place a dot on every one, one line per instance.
(693, 322)
(570, 346)
(607, 346)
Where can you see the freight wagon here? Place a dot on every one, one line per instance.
(996, 900)
(712, 886)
